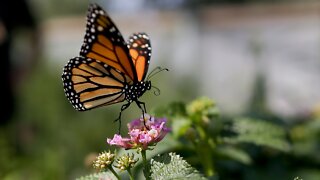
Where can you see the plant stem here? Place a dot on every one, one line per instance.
(130, 174)
(114, 172)
(204, 148)
(146, 169)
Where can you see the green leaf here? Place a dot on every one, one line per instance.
(235, 154)
(202, 110)
(180, 126)
(172, 166)
(98, 176)
(259, 132)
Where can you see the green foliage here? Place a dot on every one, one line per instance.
(306, 139)
(258, 132)
(234, 153)
(202, 109)
(208, 142)
(172, 166)
(98, 176)
(162, 167)
(48, 139)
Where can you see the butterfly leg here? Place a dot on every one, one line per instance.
(123, 107)
(143, 109)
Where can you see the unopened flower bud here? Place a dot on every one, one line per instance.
(104, 160)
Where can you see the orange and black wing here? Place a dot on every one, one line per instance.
(89, 83)
(140, 51)
(104, 42)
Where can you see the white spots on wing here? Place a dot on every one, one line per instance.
(72, 96)
(93, 29)
(100, 28)
(145, 36)
(112, 29)
(134, 45)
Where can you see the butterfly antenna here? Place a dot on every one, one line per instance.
(156, 91)
(153, 70)
(156, 71)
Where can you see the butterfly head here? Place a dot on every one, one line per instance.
(148, 85)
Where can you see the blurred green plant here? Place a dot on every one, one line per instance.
(205, 140)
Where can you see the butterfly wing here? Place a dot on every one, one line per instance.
(140, 51)
(89, 83)
(104, 42)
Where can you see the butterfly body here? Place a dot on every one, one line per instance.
(136, 90)
(108, 70)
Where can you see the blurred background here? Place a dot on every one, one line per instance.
(253, 57)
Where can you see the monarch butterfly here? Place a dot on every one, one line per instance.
(108, 69)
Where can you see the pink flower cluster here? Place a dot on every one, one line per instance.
(142, 136)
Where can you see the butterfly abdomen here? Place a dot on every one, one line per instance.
(136, 90)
